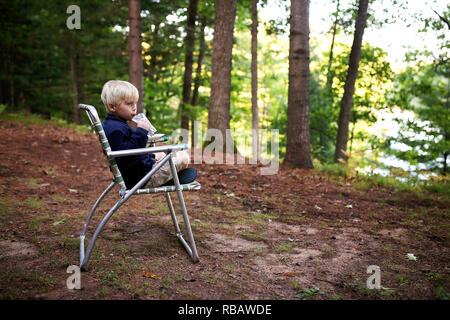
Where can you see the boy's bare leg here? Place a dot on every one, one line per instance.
(159, 156)
(181, 160)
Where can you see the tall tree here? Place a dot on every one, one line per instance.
(330, 58)
(219, 104)
(189, 42)
(298, 149)
(254, 70)
(198, 76)
(200, 57)
(349, 88)
(135, 49)
(73, 72)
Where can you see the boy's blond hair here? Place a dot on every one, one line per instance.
(115, 91)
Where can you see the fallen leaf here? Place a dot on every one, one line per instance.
(150, 275)
(189, 279)
(288, 274)
(411, 256)
(59, 221)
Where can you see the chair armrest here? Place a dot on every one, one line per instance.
(157, 138)
(135, 152)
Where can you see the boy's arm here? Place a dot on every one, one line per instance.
(120, 140)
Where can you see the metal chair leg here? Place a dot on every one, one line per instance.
(88, 220)
(192, 249)
(85, 259)
(172, 213)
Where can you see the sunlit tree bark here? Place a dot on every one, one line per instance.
(349, 88)
(135, 49)
(298, 149)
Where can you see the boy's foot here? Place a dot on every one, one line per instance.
(184, 176)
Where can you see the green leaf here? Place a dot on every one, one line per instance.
(61, 221)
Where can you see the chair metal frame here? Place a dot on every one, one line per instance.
(136, 190)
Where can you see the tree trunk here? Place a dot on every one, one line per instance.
(12, 103)
(152, 69)
(219, 104)
(254, 70)
(330, 58)
(201, 55)
(9, 65)
(198, 76)
(349, 88)
(444, 162)
(135, 47)
(298, 149)
(73, 74)
(189, 42)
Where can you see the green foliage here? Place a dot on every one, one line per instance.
(309, 293)
(425, 135)
(37, 119)
(39, 67)
(373, 80)
(163, 54)
(398, 180)
(39, 64)
(334, 169)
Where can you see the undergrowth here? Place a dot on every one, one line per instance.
(347, 174)
(30, 118)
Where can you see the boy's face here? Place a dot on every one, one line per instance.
(125, 109)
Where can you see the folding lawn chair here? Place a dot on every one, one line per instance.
(136, 190)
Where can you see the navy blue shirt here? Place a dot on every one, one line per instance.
(122, 137)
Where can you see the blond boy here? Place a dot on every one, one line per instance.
(119, 98)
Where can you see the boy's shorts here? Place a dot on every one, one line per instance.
(181, 160)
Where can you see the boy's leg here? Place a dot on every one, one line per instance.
(159, 156)
(181, 160)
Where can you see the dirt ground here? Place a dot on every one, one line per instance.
(293, 235)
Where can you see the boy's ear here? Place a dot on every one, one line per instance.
(111, 107)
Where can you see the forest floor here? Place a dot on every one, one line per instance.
(294, 235)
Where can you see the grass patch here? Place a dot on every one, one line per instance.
(168, 281)
(72, 243)
(34, 203)
(37, 222)
(255, 218)
(253, 236)
(285, 246)
(328, 252)
(440, 187)
(4, 207)
(309, 293)
(342, 173)
(34, 119)
(191, 294)
(30, 283)
(335, 170)
(114, 236)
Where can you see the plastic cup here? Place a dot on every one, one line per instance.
(140, 116)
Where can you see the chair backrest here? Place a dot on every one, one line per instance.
(98, 128)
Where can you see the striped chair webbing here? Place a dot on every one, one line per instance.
(184, 187)
(98, 128)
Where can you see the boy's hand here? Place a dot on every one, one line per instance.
(144, 124)
(132, 124)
